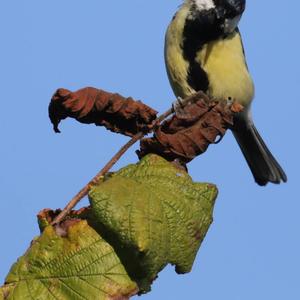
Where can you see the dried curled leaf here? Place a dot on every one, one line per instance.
(190, 132)
(91, 105)
(77, 264)
(152, 214)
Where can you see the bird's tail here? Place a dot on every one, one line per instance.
(262, 163)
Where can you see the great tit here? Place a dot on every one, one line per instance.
(204, 51)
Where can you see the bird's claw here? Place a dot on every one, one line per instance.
(178, 109)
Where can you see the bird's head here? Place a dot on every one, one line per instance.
(227, 12)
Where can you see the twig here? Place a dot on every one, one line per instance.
(84, 191)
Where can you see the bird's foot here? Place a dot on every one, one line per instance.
(178, 109)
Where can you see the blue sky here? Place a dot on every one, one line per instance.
(252, 249)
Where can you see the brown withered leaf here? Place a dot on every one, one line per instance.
(90, 105)
(46, 216)
(186, 135)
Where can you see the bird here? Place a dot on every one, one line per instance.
(204, 52)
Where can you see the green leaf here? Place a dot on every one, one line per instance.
(69, 263)
(153, 214)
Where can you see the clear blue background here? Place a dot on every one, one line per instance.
(252, 249)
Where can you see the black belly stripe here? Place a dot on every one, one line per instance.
(201, 28)
(197, 77)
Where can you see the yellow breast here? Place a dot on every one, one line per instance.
(177, 66)
(224, 62)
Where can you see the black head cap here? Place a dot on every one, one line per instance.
(229, 9)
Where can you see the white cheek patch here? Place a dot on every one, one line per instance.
(204, 4)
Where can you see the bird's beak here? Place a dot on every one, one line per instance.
(231, 24)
